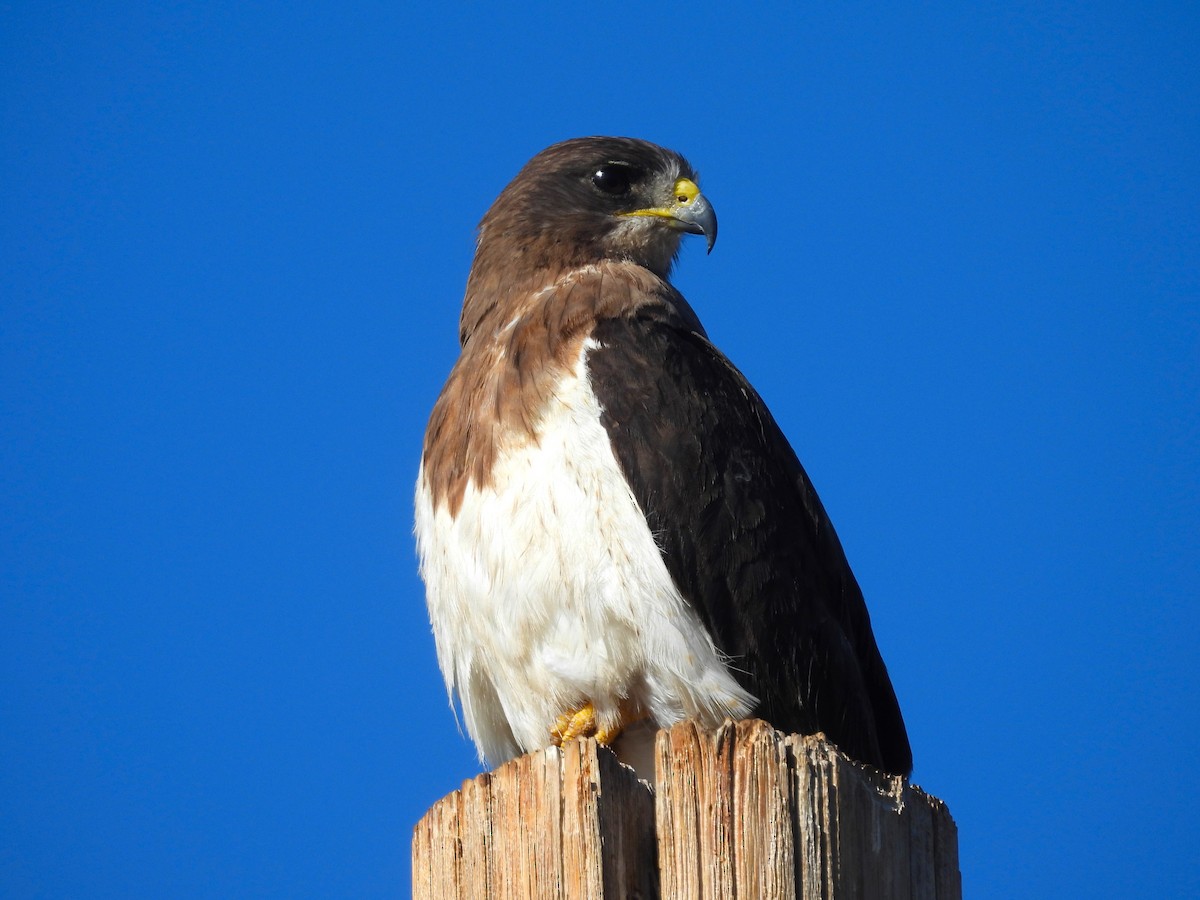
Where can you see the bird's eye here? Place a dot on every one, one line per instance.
(615, 179)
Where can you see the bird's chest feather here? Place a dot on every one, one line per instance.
(546, 588)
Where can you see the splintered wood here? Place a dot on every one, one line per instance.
(742, 812)
(748, 812)
(571, 823)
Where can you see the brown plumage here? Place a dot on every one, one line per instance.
(503, 378)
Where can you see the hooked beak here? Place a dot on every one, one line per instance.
(689, 210)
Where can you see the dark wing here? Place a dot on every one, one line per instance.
(744, 535)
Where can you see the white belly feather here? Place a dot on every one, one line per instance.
(548, 590)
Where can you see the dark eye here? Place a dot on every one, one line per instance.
(615, 179)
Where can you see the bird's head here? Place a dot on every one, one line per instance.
(596, 198)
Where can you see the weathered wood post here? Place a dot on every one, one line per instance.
(742, 812)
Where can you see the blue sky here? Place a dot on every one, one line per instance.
(959, 257)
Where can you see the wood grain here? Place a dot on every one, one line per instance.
(740, 812)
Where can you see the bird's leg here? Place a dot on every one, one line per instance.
(583, 722)
(574, 723)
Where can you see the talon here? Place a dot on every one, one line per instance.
(606, 736)
(582, 722)
(575, 723)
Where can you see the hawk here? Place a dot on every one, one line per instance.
(614, 533)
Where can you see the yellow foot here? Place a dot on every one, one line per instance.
(574, 723)
(582, 723)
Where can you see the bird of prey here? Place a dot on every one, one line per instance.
(613, 532)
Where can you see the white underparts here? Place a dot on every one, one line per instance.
(547, 590)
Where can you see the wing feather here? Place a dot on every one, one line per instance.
(744, 534)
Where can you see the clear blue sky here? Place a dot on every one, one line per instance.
(959, 257)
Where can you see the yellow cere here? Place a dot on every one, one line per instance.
(686, 191)
(683, 193)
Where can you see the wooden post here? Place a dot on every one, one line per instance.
(573, 824)
(742, 812)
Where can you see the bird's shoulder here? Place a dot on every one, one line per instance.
(529, 336)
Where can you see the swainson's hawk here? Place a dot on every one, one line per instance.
(614, 533)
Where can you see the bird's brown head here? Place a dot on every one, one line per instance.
(583, 201)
